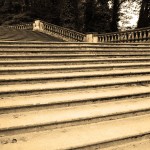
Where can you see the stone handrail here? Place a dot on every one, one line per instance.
(59, 32)
(137, 35)
(28, 26)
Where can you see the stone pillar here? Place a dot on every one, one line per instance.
(38, 26)
(91, 38)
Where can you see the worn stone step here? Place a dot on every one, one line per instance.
(73, 84)
(77, 50)
(73, 56)
(25, 63)
(136, 144)
(101, 134)
(72, 61)
(72, 75)
(74, 115)
(71, 97)
(66, 44)
(52, 67)
(73, 52)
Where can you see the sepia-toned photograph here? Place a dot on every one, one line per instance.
(74, 74)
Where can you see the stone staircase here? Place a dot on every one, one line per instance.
(59, 95)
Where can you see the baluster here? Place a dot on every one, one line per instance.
(144, 35)
(114, 41)
(107, 38)
(103, 39)
(140, 36)
(148, 34)
(132, 36)
(100, 39)
(125, 37)
(136, 36)
(120, 38)
(129, 36)
(112, 38)
(116, 38)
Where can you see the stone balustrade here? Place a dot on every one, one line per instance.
(22, 26)
(59, 32)
(137, 35)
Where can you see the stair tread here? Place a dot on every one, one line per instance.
(91, 82)
(76, 94)
(72, 74)
(68, 138)
(72, 66)
(82, 95)
(134, 145)
(70, 60)
(74, 113)
(73, 55)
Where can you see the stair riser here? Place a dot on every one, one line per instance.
(81, 121)
(74, 52)
(73, 77)
(70, 61)
(70, 104)
(29, 57)
(51, 50)
(117, 142)
(60, 70)
(105, 85)
(52, 43)
(46, 80)
(69, 48)
(65, 66)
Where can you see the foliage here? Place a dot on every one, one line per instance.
(81, 15)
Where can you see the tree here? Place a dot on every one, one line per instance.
(144, 17)
(68, 14)
(97, 16)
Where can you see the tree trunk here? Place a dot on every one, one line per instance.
(144, 17)
(115, 17)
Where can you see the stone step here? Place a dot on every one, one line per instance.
(73, 56)
(83, 67)
(136, 144)
(73, 84)
(71, 75)
(74, 52)
(73, 61)
(101, 135)
(70, 48)
(74, 115)
(51, 50)
(80, 96)
(69, 44)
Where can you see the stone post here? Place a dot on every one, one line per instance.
(91, 38)
(38, 26)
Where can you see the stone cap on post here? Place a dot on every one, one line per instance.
(91, 37)
(38, 25)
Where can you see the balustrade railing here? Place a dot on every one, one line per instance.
(61, 32)
(28, 26)
(137, 35)
(130, 36)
